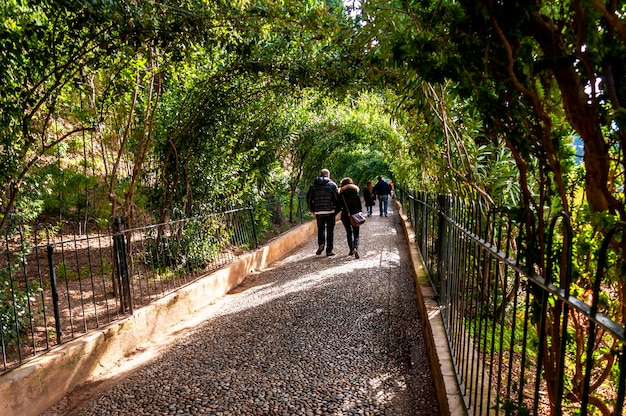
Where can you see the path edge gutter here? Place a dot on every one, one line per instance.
(447, 388)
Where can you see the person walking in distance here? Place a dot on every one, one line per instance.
(368, 196)
(350, 203)
(382, 190)
(322, 203)
(392, 189)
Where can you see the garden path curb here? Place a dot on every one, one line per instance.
(448, 392)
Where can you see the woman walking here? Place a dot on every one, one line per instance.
(350, 203)
(368, 196)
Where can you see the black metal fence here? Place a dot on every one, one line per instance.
(60, 282)
(524, 339)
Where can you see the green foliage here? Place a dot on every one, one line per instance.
(66, 273)
(346, 137)
(512, 407)
(201, 242)
(187, 245)
(67, 192)
(492, 67)
(220, 75)
(15, 306)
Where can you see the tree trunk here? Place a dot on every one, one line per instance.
(581, 113)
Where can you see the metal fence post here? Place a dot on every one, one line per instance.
(121, 267)
(300, 212)
(441, 239)
(256, 241)
(414, 207)
(55, 293)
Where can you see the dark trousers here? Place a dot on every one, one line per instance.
(383, 201)
(326, 230)
(352, 233)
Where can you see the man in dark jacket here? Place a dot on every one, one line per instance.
(382, 191)
(322, 202)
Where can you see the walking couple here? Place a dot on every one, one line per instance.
(325, 199)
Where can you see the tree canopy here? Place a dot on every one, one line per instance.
(170, 102)
(530, 75)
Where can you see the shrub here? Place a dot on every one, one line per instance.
(15, 311)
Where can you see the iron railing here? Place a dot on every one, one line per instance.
(60, 283)
(525, 339)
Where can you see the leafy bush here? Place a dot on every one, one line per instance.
(15, 312)
(201, 241)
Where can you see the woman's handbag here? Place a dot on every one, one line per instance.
(357, 218)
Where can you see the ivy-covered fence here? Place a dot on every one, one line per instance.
(528, 335)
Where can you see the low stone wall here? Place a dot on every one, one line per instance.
(38, 384)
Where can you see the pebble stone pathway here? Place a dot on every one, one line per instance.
(313, 335)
